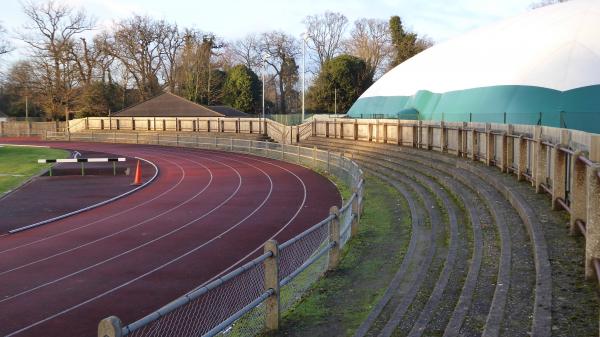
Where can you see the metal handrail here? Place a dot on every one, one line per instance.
(307, 263)
(354, 176)
(187, 298)
(216, 330)
(306, 232)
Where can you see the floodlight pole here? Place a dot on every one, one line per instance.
(263, 99)
(264, 60)
(335, 101)
(304, 36)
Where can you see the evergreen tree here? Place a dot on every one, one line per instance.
(241, 89)
(405, 44)
(346, 75)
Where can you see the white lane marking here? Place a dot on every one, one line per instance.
(117, 232)
(87, 208)
(159, 267)
(129, 209)
(274, 235)
(7, 298)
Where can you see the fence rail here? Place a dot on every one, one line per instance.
(560, 162)
(14, 128)
(270, 128)
(250, 298)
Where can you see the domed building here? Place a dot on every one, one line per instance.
(541, 67)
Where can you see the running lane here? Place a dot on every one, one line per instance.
(206, 211)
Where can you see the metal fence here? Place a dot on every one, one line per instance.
(246, 300)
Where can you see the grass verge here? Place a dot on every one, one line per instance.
(19, 163)
(337, 303)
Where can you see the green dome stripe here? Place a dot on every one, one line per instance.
(576, 109)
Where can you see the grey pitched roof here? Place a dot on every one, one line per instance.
(170, 105)
(228, 111)
(3, 115)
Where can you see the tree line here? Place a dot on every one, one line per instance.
(70, 65)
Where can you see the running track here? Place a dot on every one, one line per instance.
(206, 212)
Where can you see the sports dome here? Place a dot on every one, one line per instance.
(541, 67)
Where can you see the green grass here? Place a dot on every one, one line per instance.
(19, 163)
(338, 303)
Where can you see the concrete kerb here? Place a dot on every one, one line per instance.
(102, 203)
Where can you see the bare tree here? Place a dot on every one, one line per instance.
(324, 34)
(138, 44)
(86, 58)
(370, 41)
(247, 51)
(171, 44)
(279, 51)
(51, 34)
(5, 46)
(199, 77)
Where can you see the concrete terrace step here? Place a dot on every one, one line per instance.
(495, 316)
(520, 301)
(466, 289)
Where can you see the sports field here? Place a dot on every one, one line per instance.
(19, 163)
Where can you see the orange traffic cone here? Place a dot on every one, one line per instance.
(137, 180)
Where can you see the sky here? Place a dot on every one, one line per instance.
(232, 19)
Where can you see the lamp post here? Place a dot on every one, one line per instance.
(304, 37)
(335, 101)
(264, 60)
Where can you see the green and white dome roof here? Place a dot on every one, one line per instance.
(541, 66)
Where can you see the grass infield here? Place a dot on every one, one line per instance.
(19, 163)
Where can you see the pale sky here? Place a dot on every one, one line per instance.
(232, 19)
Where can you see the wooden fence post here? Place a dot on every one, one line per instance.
(578, 192)
(489, 145)
(510, 148)
(521, 169)
(271, 266)
(356, 213)
(541, 153)
(459, 141)
(110, 327)
(355, 130)
(443, 137)
(559, 168)
(385, 133)
(334, 236)
(465, 140)
(429, 138)
(399, 133)
(592, 239)
(504, 159)
(474, 144)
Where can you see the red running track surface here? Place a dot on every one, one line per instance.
(206, 212)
